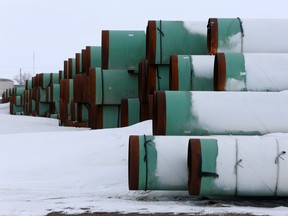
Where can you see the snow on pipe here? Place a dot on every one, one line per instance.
(251, 71)
(191, 72)
(130, 111)
(166, 38)
(122, 49)
(158, 163)
(247, 35)
(242, 166)
(216, 113)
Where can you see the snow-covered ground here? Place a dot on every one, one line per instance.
(46, 168)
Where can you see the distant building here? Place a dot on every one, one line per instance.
(5, 84)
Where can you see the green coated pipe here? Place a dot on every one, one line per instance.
(247, 35)
(251, 71)
(191, 72)
(110, 86)
(166, 38)
(91, 58)
(219, 113)
(158, 162)
(238, 166)
(130, 111)
(122, 50)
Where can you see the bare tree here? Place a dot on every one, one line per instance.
(22, 77)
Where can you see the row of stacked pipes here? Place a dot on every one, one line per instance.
(215, 93)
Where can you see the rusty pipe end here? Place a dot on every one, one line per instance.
(105, 49)
(173, 73)
(133, 163)
(159, 113)
(212, 35)
(194, 162)
(151, 31)
(219, 72)
(124, 112)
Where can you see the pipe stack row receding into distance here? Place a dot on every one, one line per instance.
(202, 85)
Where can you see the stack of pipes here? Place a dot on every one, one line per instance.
(222, 135)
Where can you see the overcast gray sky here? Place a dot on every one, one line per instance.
(54, 30)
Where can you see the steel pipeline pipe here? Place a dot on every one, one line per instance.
(103, 116)
(142, 81)
(108, 87)
(158, 162)
(91, 58)
(80, 88)
(54, 93)
(247, 35)
(71, 67)
(61, 75)
(157, 78)
(122, 49)
(28, 84)
(191, 72)
(78, 63)
(251, 71)
(66, 90)
(66, 70)
(130, 111)
(208, 113)
(166, 38)
(242, 166)
(146, 109)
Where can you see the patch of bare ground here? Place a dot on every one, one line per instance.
(137, 214)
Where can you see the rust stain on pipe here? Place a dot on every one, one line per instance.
(151, 42)
(219, 72)
(159, 113)
(194, 161)
(173, 73)
(212, 36)
(133, 163)
(124, 112)
(84, 61)
(77, 62)
(91, 88)
(105, 49)
(151, 78)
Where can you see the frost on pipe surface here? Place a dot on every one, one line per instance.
(247, 35)
(251, 71)
(191, 72)
(208, 113)
(158, 163)
(166, 38)
(238, 166)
